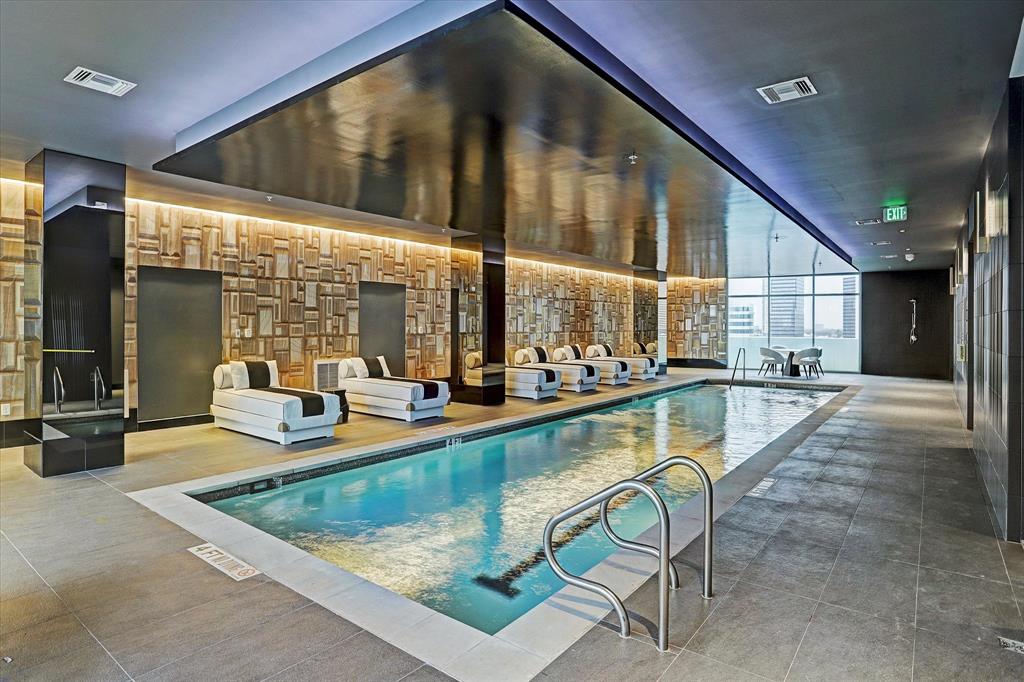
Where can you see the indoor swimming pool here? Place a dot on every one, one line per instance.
(458, 529)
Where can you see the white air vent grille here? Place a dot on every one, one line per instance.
(326, 375)
(95, 80)
(787, 90)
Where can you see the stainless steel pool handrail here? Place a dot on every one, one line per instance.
(596, 587)
(58, 380)
(736, 365)
(709, 501)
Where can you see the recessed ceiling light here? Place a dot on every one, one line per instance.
(94, 80)
(868, 221)
(889, 256)
(787, 90)
(902, 230)
(907, 249)
(882, 243)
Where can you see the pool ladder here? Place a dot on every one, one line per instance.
(666, 570)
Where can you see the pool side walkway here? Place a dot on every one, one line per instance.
(93, 586)
(872, 556)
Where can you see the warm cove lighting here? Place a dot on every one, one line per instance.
(510, 260)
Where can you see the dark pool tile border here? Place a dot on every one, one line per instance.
(799, 431)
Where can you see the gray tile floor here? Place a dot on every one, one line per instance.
(872, 557)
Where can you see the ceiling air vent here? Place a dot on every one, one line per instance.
(787, 90)
(95, 80)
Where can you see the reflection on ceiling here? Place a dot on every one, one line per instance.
(493, 128)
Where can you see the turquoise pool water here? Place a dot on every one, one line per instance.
(456, 529)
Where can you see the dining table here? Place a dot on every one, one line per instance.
(789, 369)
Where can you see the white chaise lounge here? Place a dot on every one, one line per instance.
(642, 368)
(575, 377)
(370, 389)
(613, 372)
(521, 382)
(248, 398)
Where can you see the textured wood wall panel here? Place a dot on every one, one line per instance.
(553, 305)
(467, 277)
(698, 319)
(291, 291)
(645, 310)
(20, 241)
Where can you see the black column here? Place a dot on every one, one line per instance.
(74, 322)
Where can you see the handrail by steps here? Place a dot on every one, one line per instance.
(736, 366)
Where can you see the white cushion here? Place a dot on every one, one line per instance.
(652, 347)
(222, 377)
(359, 368)
(384, 365)
(474, 360)
(240, 374)
(345, 369)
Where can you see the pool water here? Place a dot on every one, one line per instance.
(459, 529)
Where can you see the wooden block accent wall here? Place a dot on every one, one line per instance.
(698, 319)
(467, 277)
(294, 288)
(645, 310)
(21, 208)
(554, 305)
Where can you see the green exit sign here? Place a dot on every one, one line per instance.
(894, 214)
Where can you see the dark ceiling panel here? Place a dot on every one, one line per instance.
(492, 127)
(908, 94)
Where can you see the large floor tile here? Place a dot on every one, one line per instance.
(845, 474)
(733, 550)
(955, 489)
(940, 658)
(876, 586)
(801, 469)
(361, 658)
(42, 642)
(787, 489)
(755, 514)
(961, 606)
(820, 526)
(30, 609)
(970, 517)
(841, 645)
(833, 496)
(798, 567)
(262, 651)
(603, 655)
(962, 551)
(756, 629)
(687, 608)
(859, 458)
(894, 506)
(884, 538)
(689, 666)
(90, 662)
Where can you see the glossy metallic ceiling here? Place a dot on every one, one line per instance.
(490, 126)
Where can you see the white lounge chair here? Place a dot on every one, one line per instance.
(520, 382)
(248, 398)
(575, 377)
(371, 389)
(612, 371)
(642, 368)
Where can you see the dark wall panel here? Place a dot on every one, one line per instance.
(382, 323)
(885, 317)
(179, 330)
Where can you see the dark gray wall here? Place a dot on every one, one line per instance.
(885, 318)
(382, 323)
(179, 329)
(993, 295)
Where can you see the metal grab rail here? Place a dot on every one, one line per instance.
(736, 366)
(598, 588)
(58, 380)
(709, 501)
(97, 376)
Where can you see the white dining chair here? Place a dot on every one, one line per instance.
(771, 360)
(807, 360)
